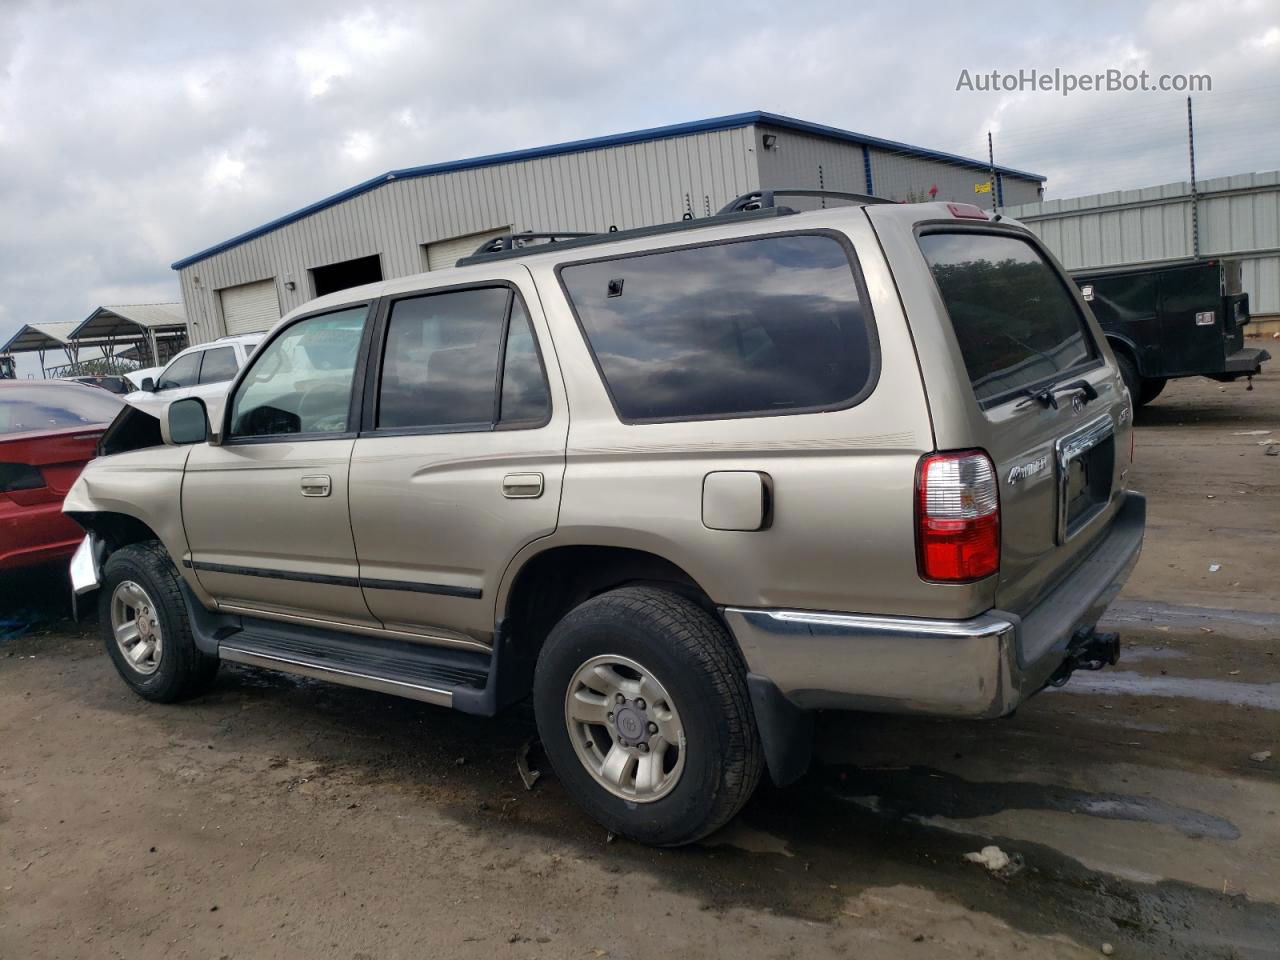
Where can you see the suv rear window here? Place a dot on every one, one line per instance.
(750, 328)
(1017, 323)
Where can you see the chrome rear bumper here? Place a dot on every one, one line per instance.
(957, 668)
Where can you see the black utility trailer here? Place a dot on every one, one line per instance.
(1177, 319)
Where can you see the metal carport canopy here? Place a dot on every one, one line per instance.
(46, 336)
(130, 321)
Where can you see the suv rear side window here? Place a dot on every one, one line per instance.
(1015, 319)
(751, 328)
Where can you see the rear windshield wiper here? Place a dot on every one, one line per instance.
(1048, 396)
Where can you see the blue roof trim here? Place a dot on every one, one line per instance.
(712, 124)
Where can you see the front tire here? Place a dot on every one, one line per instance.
(146, 628)
(642, 706)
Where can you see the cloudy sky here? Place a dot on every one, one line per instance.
(133, 132)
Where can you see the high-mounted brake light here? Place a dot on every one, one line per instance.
(967, 211)
(957, 517)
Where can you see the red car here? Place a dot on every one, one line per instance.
(49, 430)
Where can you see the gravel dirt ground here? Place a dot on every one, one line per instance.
(278, 817)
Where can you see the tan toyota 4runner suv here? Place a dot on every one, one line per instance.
(683, 485)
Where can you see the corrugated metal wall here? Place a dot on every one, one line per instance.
(1239, 217)
(802, 160)
(630, 186)
(809, 162)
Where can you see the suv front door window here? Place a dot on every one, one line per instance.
(301, 381)
(183, 372)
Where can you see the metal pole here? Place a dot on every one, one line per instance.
(991, 158)
(1195, 196)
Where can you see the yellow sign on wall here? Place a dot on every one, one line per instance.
(982, 187)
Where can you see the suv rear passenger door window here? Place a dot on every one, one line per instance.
(525, 398)
(444, 359)
(757, 327)
(219, 365)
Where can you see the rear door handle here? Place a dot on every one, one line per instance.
(522, 486)
(318, 486)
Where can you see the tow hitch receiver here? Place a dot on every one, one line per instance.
(1089, 650)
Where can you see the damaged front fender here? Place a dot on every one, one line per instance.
(131, 495)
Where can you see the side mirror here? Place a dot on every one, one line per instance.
(149, 384)
(186, 421)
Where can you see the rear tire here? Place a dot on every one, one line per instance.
(648, 642)
(1150, 389)
(146, 628)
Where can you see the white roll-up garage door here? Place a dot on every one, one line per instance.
(250, 307)
(446, 253)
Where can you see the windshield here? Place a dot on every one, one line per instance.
(1015, 319)
(44, 406)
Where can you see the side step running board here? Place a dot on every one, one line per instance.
(449, 678)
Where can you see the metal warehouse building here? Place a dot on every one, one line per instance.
(424, 218)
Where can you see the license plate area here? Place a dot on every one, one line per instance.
(1086, 465)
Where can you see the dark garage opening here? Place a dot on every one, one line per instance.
(348, 273)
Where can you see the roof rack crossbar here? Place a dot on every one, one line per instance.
(763, 199)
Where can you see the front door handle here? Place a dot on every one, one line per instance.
(522, 486)
(318, 486)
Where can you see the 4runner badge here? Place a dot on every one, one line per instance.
(1029, 469)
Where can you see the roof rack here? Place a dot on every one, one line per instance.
(506, 247)
(518, 241)
(765, 199)
(758, 204)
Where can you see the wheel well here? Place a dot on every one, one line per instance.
(116, 530)
(557, 580)
(1120, 346)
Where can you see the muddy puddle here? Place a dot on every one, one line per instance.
(1124, 683)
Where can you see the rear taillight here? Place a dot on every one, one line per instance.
(957, 517)
(20, 476)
